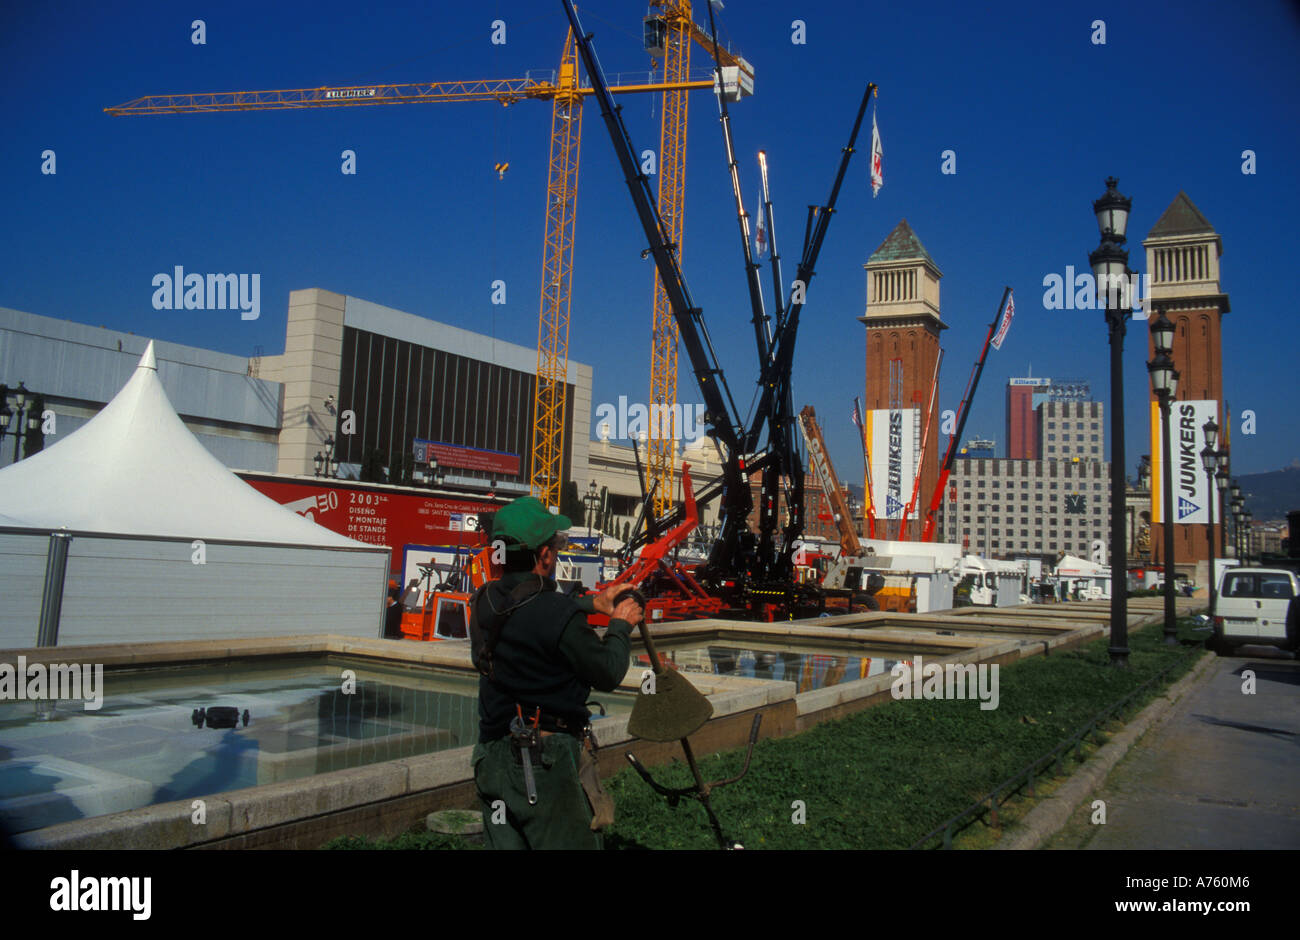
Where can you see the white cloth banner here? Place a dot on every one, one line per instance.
(892, 439)
(877, 158)
(1008, 312)
(1191, 487)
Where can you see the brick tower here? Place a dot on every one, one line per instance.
(1182, 255)
(903, 324)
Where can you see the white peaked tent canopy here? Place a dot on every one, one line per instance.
(135, 469)
(1072, 566)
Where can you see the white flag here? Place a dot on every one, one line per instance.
(877, 168)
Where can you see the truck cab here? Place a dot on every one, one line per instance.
(1257, 606)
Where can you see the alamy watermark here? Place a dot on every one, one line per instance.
(102, 893)
(921, 680)
(181, 291)
(39, 682)
(1082, 291)
(656, 422)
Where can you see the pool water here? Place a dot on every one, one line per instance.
(142, 747)
(809, 667)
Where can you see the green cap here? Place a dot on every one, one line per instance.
(527, 522)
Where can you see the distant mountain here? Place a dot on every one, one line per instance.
(1269, 496)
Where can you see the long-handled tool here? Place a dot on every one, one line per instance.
(701, 790)
(672, 711)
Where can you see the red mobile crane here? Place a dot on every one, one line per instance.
(927, 533)
(817, 456)
(925, 437)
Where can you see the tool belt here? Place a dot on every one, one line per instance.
(526, 741)
(534, 725)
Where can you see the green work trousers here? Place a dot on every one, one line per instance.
(561, 818)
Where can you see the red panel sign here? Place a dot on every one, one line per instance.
(379, 515)
(467, 458)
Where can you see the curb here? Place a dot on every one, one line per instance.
(1049, 816)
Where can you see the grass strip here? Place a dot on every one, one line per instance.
(886, 776)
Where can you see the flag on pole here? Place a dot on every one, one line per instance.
(857, 415)
(760, 237)
(1008, 312)
(877, 167)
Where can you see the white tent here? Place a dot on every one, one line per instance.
(166, 542)
(1071, 566)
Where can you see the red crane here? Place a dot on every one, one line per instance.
(927, 533)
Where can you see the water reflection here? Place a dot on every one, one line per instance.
(143, 747)
(808, 670)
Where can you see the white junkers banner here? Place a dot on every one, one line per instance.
(1191, 487)
(892, 437)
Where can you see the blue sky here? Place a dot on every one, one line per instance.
(1037, 114)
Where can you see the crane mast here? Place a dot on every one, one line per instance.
(927, 533)
(735, 565)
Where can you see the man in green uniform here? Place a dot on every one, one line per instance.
(540, 660)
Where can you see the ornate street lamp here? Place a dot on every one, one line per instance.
(1236, 526)
(1221, 481)
(1210, 461)
(22, 420)
(319, 461)
(1164, 382)
(328, 465)
(592, 499)
(1234, 498)
(1109, 261)
(1247, 535)
(1112, 211)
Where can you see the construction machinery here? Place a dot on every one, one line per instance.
(669, 34)
(830, 483)
(566, 94)
(843, 577)
(752, 573)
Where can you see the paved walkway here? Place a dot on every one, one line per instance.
(1221, 771)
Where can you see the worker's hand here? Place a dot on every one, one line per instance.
(604, 601)
(628, 609)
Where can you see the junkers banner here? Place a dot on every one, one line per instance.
(1190, 485)
(891, 441)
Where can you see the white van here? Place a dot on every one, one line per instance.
(1257, 606)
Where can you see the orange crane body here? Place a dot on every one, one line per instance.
(812, 435)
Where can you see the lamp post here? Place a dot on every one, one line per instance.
(1221, 481)
(1234, 494)
(23, 419)
(592, 499)
(1210, 461)
(1164, 382)
(1247, 535)
(1110, 261)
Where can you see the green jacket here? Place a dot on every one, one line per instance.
(549, 656)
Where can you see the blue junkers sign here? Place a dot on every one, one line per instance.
(1185, 508)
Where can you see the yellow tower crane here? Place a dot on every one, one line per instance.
(565, 94)
(668, 35)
